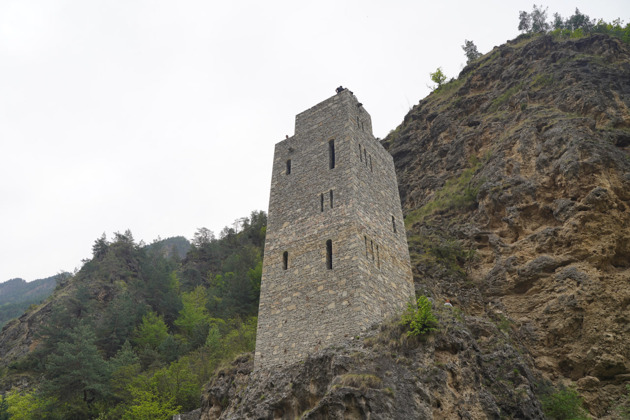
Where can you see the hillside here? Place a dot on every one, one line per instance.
(514, 180)
(138, 330)
(16, 295)
(515, 184)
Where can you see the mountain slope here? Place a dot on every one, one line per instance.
(16, 295)
(515, 180)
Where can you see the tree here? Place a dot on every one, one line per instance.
(151, 332)
(194, 311)
(470, 49)
(4, 409)
(76, 373)
(579, 21)
(524, 21)
(419, 317)
(534, 22)
(438, 77)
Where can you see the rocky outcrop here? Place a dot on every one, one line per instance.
(523, 166)
(469, 370)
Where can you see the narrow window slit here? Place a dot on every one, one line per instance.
(331, 199)
(360, 154)
(321, 201)
(329, 256)
(365, 156)
(372, 249)
(285, 260)
(371, 163)
(331, 154)
(394, 224)
(289, 167)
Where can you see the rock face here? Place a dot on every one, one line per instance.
(522, 166)
(515, 184)
(467, 372)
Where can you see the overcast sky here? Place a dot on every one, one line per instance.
(160, 116)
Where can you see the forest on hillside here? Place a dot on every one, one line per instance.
(16, 295)
(137, 331)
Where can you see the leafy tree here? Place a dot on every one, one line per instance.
(534, 22)
(194, 312)
(470, 49)
(151, 332)
(579, 21)
(524, 21)
(438, 77)
(539, 19)
(558, 22)
(125, 366)
(27, 406)
(419, 317)
(148, 406)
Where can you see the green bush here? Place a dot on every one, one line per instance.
(419, 317)
(564, 404)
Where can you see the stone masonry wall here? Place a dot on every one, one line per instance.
(304, 304)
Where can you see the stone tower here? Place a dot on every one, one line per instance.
(336, 257)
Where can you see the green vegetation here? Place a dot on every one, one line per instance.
(438, 77)
(504, 97)
(457, 193)
(564, 404)
(575, 26)
(138, 330)
(623, 408)
(419, 317)
(360, 381)
(432, 249)
(470, 49)
(17, 295)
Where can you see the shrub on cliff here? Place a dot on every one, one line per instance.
(564, 404)
(419, 317)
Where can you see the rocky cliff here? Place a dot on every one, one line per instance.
(515, 182)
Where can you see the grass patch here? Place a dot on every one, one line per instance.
(564, 404)
(362, 381)
(504, 97)
(457, 193)
(434, 250)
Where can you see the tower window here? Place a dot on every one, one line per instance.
(372, 249)
(285, 260)
(360, 154)
(370, 162)
(329, 255)
(289, 167)
(365, 155)
(394, 224)
(331, 154)
(321, 201)
(357, 122)
(331, 199)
